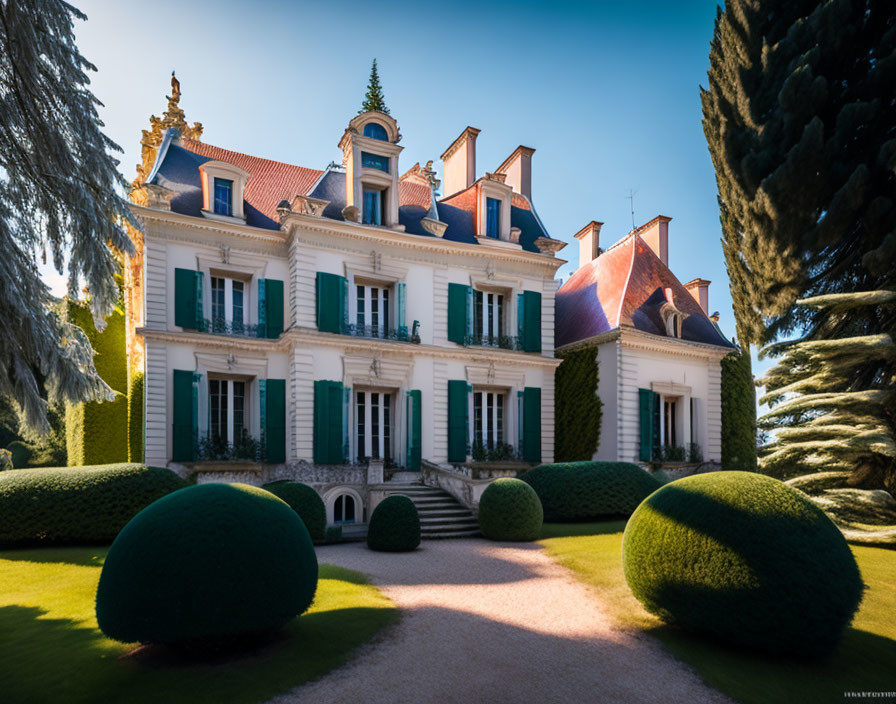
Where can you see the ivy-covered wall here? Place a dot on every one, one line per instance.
(97, 433)
(577, 409)
(738, 413)
(135, 417)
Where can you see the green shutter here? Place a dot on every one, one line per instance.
(328, 435)
(272, 305)
(645, 413)
(532, 321)
(331, 298)
(532, 424)
(274, 401)
(458, 318)
(402, 306)
(187, 298)
(415, 430)
(185, 414)
(520, 316)
(458, 420)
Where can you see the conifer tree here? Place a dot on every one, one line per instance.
(373, 99)
(57, 198)
(834, 399)
(800, 120)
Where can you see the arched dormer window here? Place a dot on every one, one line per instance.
(375, 130)
(223, 185)
(673, 325)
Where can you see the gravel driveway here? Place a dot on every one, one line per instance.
(492, 622)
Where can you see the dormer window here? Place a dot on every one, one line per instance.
(492, 217)
(223, 186)
(673, 325)
(375, 161)
(223, 196)
(375, 130)
(373, 206)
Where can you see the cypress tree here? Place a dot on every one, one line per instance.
(834, 399)
(800, 120)
(373, 99)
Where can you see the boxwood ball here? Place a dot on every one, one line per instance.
(510, 510)
(745, 558)
(206, 562)
(394, 525)
(306, 502)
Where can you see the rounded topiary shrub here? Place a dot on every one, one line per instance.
(394, 525)
(77, 504)
(306, 502)
(510, 510)
(207, 562)
(745, 558)
(585, 491)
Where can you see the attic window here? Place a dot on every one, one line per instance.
(375, 130)
(375, 161)
(223, 196)
(673, 325)
(492, 217)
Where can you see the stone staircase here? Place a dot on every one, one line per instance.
(441, 516)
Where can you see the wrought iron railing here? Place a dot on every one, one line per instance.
(402, 334)
(504, 342)
(217, 448)
(219, 326)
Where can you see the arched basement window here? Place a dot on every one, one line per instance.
(344, 509)
(375, 130)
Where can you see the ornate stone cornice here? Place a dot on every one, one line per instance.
(548, 246)
(637, 339)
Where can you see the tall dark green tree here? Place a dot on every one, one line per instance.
(60, 199)
(373, 98)
(800, 119)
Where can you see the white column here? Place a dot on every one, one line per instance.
(368, 426)
(228, 301)
(229, 385)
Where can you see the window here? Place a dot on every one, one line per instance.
(373, 207)
(373, 414)
(492, 217)
(372, 316)
(344, 509)
(488, 419)
(670, 436)
(673, 325)
(375, 161)
(223, 196)
(375, 130)
(488, 316)
(227, 410)
(228, 304)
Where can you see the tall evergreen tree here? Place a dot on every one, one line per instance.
(834, 399)
(800, 119)
(58, 197)
(373, 98)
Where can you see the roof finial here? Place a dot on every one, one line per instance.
(373, 99)
(175, 88)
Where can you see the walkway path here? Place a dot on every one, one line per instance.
(489, 622)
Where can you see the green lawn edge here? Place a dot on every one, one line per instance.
(865, 661)
(52, 650)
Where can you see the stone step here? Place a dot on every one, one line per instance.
(449, 521)
(445, 536)
(444, 512)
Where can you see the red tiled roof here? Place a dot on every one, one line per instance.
(605, 293)
(518, 201)
(466, 200)
(269, 181)
(410, 193)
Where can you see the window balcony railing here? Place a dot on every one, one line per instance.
(219, 326)
(214, 448)
(380, 332)
(504, 342)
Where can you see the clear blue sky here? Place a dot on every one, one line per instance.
(607, 93)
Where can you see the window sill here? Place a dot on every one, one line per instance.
(223, 218)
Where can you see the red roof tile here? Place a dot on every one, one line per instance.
(269, 181)
(410, 193)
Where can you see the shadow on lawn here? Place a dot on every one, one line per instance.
(83, 556)
(573, 530)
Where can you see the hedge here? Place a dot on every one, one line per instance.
(745, 558)
(77, 504)
(97, 432)
(211, 561)
(577, 407)
(586, 491)
(135, 417)
(306, 502)
(394, 525)
(509, 509)
(738, 413)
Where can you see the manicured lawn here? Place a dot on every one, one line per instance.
(865, 661)
(51, 649)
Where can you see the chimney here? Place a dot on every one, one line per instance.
(699, 289)
(589, 242)
(459, 162)
(518, 167)
(656, 235)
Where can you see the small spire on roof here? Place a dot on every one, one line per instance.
(373, 99)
